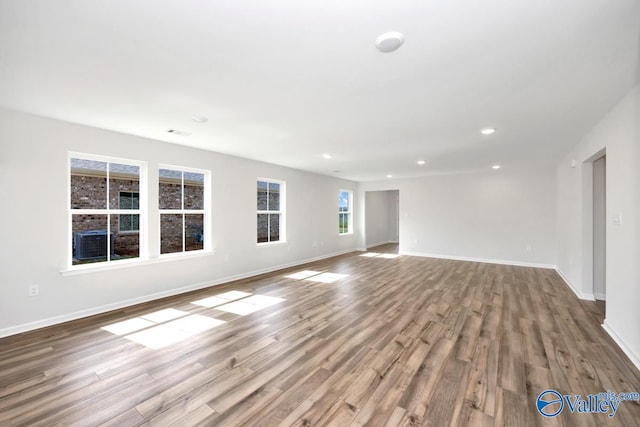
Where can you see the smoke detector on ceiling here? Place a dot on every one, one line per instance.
(389, 42)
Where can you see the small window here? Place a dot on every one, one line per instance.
(271, 208)
(129, 222)
(345, 217)
(183, 214)
(104, 209)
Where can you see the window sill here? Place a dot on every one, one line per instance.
(345, 234)
(267, 244)
(117, 265)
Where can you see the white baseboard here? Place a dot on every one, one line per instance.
(579, 294)
(485, 260)
(635, 359)
(26, 327)
(599, 296)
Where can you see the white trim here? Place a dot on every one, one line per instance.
(599, 296)
(485, 260)
(635, 359)
(580, 295)
(133, 262)
(26, 327)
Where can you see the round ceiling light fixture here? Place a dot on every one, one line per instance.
(389, 42)
(421, 162)
(495, 167)
(488, 131)
(327, 156)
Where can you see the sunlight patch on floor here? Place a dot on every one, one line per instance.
(379, 255)
(327, 277)
(164, 315)
(302, 274)
(162, 328)
(249, 305)
(128, 326)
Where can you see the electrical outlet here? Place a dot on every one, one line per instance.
(529, 247)
(33, 290)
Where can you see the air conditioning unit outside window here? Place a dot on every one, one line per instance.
(91, 244)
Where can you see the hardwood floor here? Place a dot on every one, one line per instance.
(379, 340)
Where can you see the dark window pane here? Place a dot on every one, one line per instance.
(88, 184)
(128, 222)
(193, 190)
(263, 228)
(129, 200)
(89, 238)
(274, 227)
(194, 228)
(171, 229)
(122, 178)
(170, 189)
(262, 196)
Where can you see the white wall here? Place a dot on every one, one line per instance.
(34, 236)
(498, 216)
(619, 134)
(380, 217)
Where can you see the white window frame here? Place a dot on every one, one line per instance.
(349, 212)
(142, 211)
(281, 212)
(206, 212)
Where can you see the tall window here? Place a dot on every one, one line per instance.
(271, 208)
(97, 211)
(183, 195)
(345, 218)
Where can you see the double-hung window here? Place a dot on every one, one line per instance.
(104, 219)
(345, 217)
(271, 211)
(183, 201)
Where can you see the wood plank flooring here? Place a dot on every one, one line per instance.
(395, 341)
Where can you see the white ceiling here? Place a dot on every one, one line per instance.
(286, 81)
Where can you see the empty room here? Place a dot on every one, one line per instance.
(336, 213)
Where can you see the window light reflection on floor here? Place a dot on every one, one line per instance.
(379, 255)
(326, 277)
(162, 328)
(302, 274)
(249, 305)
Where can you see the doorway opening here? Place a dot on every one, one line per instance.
(594, 228)
(382, 219)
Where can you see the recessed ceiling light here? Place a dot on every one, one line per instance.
(326, 155)
(178, 132)
(496, 167)
(389, 42)
(421, 162)
(389, 176)
(199, 119)
(487, 131)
